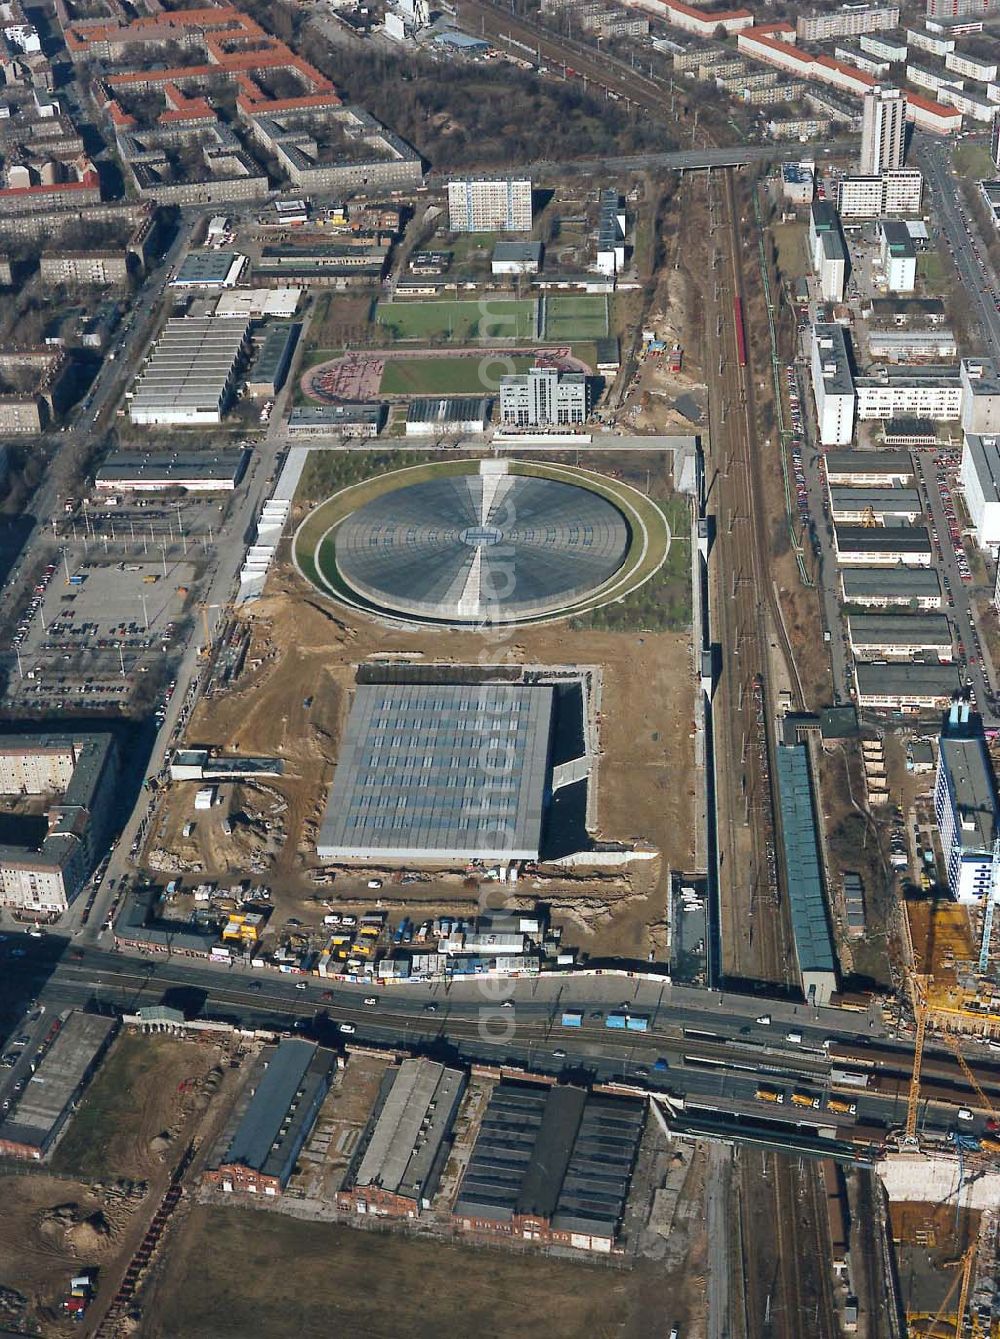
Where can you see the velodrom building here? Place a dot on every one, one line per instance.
(444, 773)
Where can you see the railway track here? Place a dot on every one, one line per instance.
(617, 79)
(756, 938)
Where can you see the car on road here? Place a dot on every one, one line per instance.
(301, 985)
(371, 1000)
(327, 995)
(347, 1028)
(430, 1008)
(559, 1053)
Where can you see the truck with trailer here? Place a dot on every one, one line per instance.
(841, 1107)
(766, 1094)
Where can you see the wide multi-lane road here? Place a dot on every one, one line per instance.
(710, 1049)
(961, 236)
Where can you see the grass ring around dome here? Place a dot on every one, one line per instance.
(314, 542)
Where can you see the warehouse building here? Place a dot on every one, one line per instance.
(441, 772)
(343, 420)
(980, 476)
(396, 1168)
(209, 269)
(267, 376)
(869, 469)
(277, 1118)
(909, 432)
(965, 805)
(905, 688)
(551, 1165)
(833, 384)
(516, 258)
(153, 472)
(905, 346)
(256, 303)
(869, 546)
(884, 505)
(883, 588)
(75, 1046)
(806, 885)
(192, 372)
(47, 870)
(900, 636)
(455, 416)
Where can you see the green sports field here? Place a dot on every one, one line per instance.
(568, 319)
(459, 322)
(448, 376)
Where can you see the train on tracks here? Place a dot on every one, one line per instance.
(741, 334)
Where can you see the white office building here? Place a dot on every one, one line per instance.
(833, 385)
(544, 397)
(980, 477)
(883, 131)
(909, 392)
(829, 254)
(869, 197)
(965, 806)
(980, 378)
(898, 255)
(489, 204)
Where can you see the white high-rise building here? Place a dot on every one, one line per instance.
(833, 385)
(883, 131)
(489, 204)
(966, 810)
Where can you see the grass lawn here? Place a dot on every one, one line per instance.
(973, 161)
(569, 318)
(790, 239)
(930, 268)
(114, 1107)
(232, 1272)
(459, 322)
(449, 376)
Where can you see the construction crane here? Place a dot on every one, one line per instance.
(913, 1099)
(962, 1282)
(972, 1080)
(921, 1009)
(207, 648)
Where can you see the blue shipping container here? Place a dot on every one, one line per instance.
(572, 1020)
(637, 1023)
(616, 1021)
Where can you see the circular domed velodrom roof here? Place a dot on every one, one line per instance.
(469, 548)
